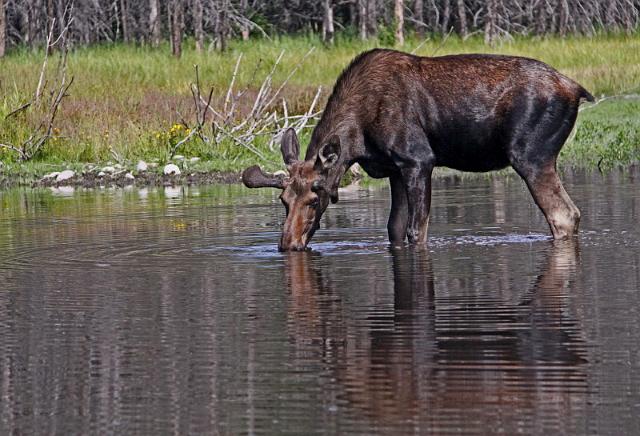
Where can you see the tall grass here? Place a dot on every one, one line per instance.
(126, 98)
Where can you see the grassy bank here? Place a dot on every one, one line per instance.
(128, 102)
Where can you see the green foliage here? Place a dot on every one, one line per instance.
(386, 35)
(607, 135)
(124, 96)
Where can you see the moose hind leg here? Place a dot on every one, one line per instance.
(533, 154)
(546, 188)
(397, 225)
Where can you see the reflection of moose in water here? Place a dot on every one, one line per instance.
(437, 356)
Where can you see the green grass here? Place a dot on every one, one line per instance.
(607, 135)
(126, 98)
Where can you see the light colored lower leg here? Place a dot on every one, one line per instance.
(562, 215)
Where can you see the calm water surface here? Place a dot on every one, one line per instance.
(170, 311)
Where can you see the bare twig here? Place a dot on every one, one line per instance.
(39, 136)
(17, 111)
(245, 129)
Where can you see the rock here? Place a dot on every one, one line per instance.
(171, 169)
(153, 165)
(65, 175)
(108, 169)
(129, 176)
(142, 166)
(118, 166)
(194, 159)
(178, 157)
(102, 174)
(280, 173)
(52, 175)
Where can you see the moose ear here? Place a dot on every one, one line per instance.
(290, 146)
(330, 152)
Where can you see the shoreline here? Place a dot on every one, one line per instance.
(147, 179)
(90, 180)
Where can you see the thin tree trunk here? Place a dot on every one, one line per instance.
(154, 23)
(610, 15)
(490, 22)
(3, 29)
(50, 21)
(418, 13)
(244, 30)
(198, 25)
(362, 18)
(462, 18)
(564, 17)
(221, 24)
(398, 14)
(372, 18)
(125, 20)
(327, 22)
(446, 15)
(176, 28)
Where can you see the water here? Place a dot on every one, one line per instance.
(170, 311)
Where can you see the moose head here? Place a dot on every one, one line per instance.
(306, 191)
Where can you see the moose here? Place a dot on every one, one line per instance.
(398, 116)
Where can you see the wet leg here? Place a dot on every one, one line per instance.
(397, 225)
(546, 188)
(417, 180)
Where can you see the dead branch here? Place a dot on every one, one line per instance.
(245, 128)
(39, 136)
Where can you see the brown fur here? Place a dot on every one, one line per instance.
(399, 116)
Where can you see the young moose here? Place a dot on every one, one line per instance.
(400, 115)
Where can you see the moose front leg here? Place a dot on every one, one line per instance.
(397, 225)
(417, 182)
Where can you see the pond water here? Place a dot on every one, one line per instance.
(170, 311)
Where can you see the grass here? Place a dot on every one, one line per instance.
(126, 99)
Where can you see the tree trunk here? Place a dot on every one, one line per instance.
(198, 29)
(176, 27)
(398, 14)
(372, 18)
(327, 22)
(445, 16)
(490, 22)
(362, 18)
(221, 24)
(610, 15)
(244, 30)
(3, 29)
(462, 18)
(418, 13)
(154, 23)
(50, 21)
(564, 17)
(125, 20)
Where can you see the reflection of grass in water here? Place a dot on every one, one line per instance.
(126, 97)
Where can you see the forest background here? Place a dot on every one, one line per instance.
(211, 84)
